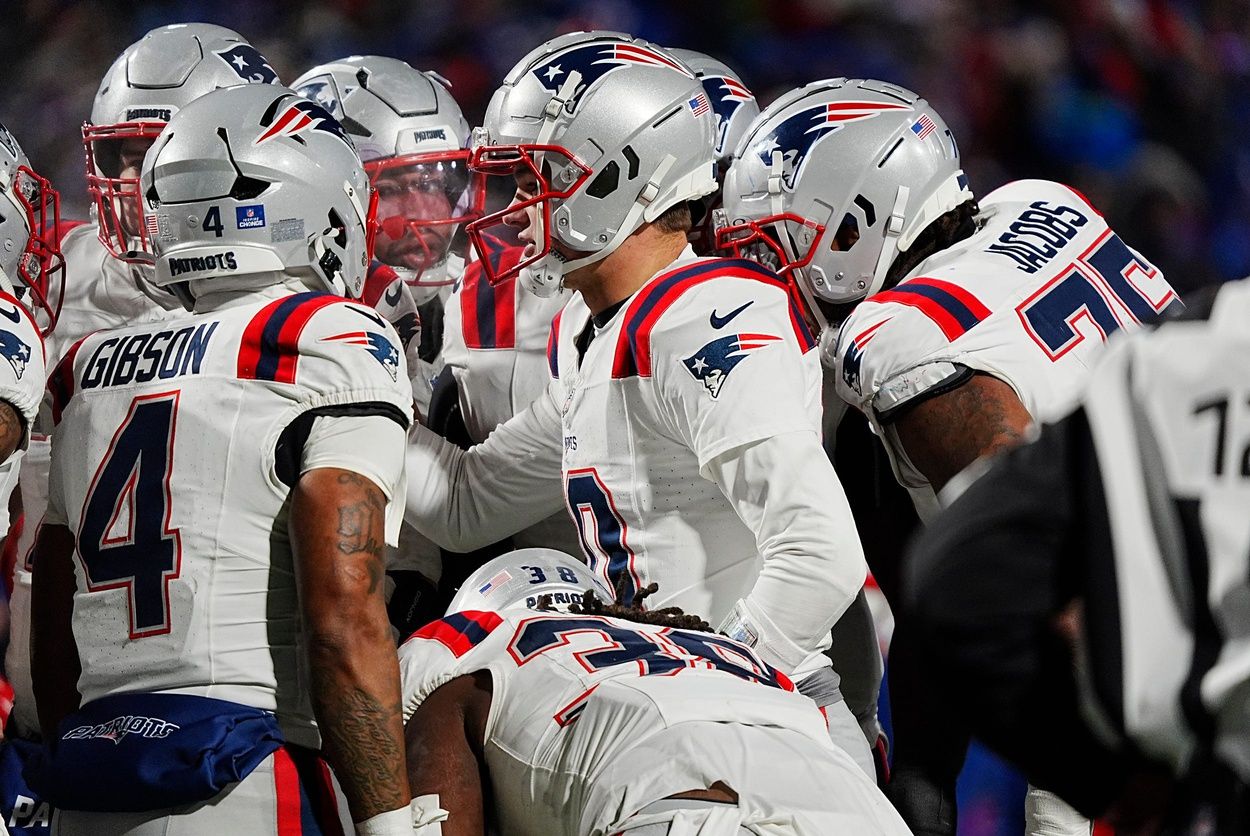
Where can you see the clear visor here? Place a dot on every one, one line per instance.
(423, 199)
(114, 158)
(41, 266)
(539, 175)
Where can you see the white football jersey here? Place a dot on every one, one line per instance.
(709, 355)
(1169, 413)
(176, 446)
(573, 696)
(685, 444)
(495, 343)
(1030, 298)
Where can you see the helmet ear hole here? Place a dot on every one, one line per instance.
(847, 235)
(336, 222)
(606, 182)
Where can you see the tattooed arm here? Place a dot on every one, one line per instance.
(337, 531)
(946, 433)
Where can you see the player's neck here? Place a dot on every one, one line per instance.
(617, 277)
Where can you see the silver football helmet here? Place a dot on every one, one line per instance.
(153, 79)
(613, 131)
(835, 179)
(734, 105)
(29, 248)
(253, 183)
(735, 108)
(413, 140)
(517, 579)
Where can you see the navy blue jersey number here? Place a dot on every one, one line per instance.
(125, 540)
(667, 652)
(1108, 273)
(602, 531)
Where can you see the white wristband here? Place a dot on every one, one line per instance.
(395, 823)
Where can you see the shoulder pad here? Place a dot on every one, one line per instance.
(880, 340)
(641, 318)
(1027, 191)
(436, 654)
(325, 343)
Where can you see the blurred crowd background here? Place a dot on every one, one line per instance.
(1144, 105)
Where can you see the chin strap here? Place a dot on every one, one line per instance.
(889, 246)
(545, 277)
(549, 271)
(776, 172)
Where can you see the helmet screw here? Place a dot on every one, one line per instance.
(840, 276)
(861, 284)
(191, 221)
(563, 222)
(820, 281)
(8, 245)
(602, 237)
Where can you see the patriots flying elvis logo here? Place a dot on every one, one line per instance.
(712, 364)
(593, 61)
(796, 135)
(382, 349)
(248, 64)
(298, 117)
(15, 351)
(854, 355)
(726, 95)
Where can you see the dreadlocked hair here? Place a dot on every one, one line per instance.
(947, 230)
(592, 604)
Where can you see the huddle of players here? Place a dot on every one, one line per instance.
(917, 299)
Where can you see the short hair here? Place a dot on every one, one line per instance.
(675, 218)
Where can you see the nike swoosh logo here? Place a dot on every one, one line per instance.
(12, 316)
(722, 321)
(393, 299)
(369, 315)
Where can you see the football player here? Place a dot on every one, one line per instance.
(681, 424)
(411, 136)
(107, 277)
(29, 258)
(1115, 627)
(207, 596)
(30, 263)
(636, 722)
(961, 324)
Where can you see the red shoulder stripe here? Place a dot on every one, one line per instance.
(553, 342)
(633, 348)
(269, 349)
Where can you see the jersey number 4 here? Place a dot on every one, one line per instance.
(125, 540)
(1083, 299)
